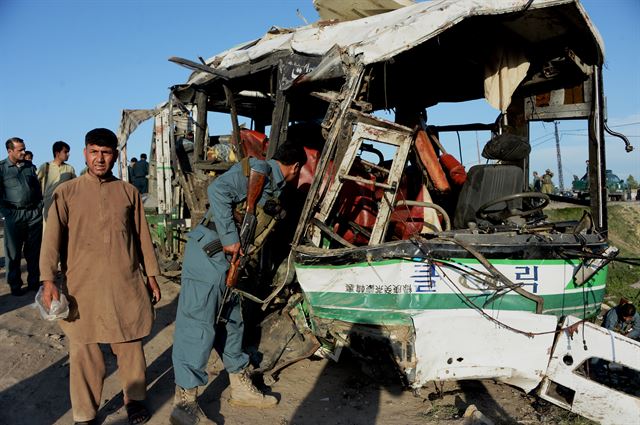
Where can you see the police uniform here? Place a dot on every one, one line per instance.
(21, 206)
(140, 171)
(203, 279)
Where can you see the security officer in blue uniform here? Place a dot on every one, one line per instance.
(21, 207)
(140, 173)
(203, 287)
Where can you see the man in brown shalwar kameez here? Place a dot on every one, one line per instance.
(97, 229)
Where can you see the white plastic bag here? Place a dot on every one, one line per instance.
(58, 310)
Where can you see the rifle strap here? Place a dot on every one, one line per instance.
(241, 208)
(264, 222)
(265, 225)
(246, 167)
(246, 170)
(45, 178)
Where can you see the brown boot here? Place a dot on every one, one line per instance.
(186, 410)
(244, 393)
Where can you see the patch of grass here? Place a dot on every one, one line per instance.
(441, 412)
(624, 234)
(565, 214)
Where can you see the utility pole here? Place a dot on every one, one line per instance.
(560, 178)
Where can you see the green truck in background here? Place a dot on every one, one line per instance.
(616, 187)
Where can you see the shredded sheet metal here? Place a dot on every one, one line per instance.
(462, 344)
(355, 9)
(380, 37)
(574, 356)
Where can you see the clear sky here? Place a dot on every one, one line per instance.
(70, 66)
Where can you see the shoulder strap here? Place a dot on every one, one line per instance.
(45, 178)
(255, 184)
(246, 167)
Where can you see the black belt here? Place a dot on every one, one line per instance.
(14, 207)
(215, 246)
(212, 248)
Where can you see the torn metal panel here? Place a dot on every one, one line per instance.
(568, 385)
(132, 118)
(294, 66)
(461, 344)
(356, 9)
(195, 66)
(400, 340)
(378, 38)
(129, 121)
(437, 30)
(332, 66)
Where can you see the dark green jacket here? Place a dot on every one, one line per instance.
(19, 186)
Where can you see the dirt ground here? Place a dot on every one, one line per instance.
(34, 374)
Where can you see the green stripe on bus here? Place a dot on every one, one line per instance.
(380, 308)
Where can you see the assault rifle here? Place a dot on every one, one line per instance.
(247, 233)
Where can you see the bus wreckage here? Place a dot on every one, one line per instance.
(387, 236)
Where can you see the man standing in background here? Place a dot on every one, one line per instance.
(51, 174)
(21, 206)
(140, 173)
(547, 183)
(537, 182)
(130, 167)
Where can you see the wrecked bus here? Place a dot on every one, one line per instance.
(388, 237)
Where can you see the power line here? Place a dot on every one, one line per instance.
(538, 138)
(626, 125)
(549, 139)
(583, 129)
